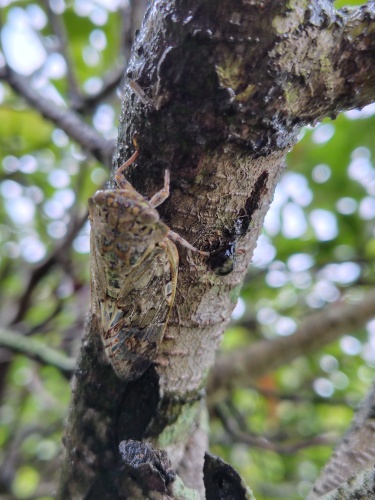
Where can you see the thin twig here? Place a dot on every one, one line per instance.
(44, 325)
(131, 15)
(36, 350)
(65, 119)
(237, 435)
(40, 271)
(110, 83)
(298, 398)
(58, 27)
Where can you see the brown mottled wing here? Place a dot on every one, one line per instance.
(97, 270)
(134, 322)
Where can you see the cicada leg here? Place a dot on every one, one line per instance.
(163, 194)
(176, 237)
(120, 180)
(122, 183)
(157, 199)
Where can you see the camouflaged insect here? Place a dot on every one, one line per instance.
(134, 266)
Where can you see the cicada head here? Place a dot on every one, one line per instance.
(127, 228)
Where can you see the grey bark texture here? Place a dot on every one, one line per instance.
(355, 452)
(228, 85)
(360, 486)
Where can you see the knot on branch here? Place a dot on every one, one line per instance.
(150, 468)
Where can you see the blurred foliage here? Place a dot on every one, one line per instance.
(318, 245)
(45, 181)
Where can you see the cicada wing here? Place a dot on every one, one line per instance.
(98, 279)
(138, 317)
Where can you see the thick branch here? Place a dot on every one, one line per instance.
(331, 67)
(243, 366)
(227, 106)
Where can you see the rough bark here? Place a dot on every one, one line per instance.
(356, 450)
(360, 486)
(228, 86)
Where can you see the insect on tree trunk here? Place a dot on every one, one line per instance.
(225, 88)
(134, 273)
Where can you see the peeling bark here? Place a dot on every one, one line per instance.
(228, 84)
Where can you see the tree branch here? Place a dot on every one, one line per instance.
(39, 272)
(228, 105)
(332, 59)
(243, 366)
(65, 119)
(239, 436)
(57, 24)
(36, 350)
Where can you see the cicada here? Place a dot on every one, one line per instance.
(134, 267)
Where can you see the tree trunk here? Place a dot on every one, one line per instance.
(221, 92)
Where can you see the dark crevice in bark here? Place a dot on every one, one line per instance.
(222, 481)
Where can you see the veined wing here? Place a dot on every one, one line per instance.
(134, 322)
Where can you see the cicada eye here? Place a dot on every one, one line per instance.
(100, 198)
(149, 217)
